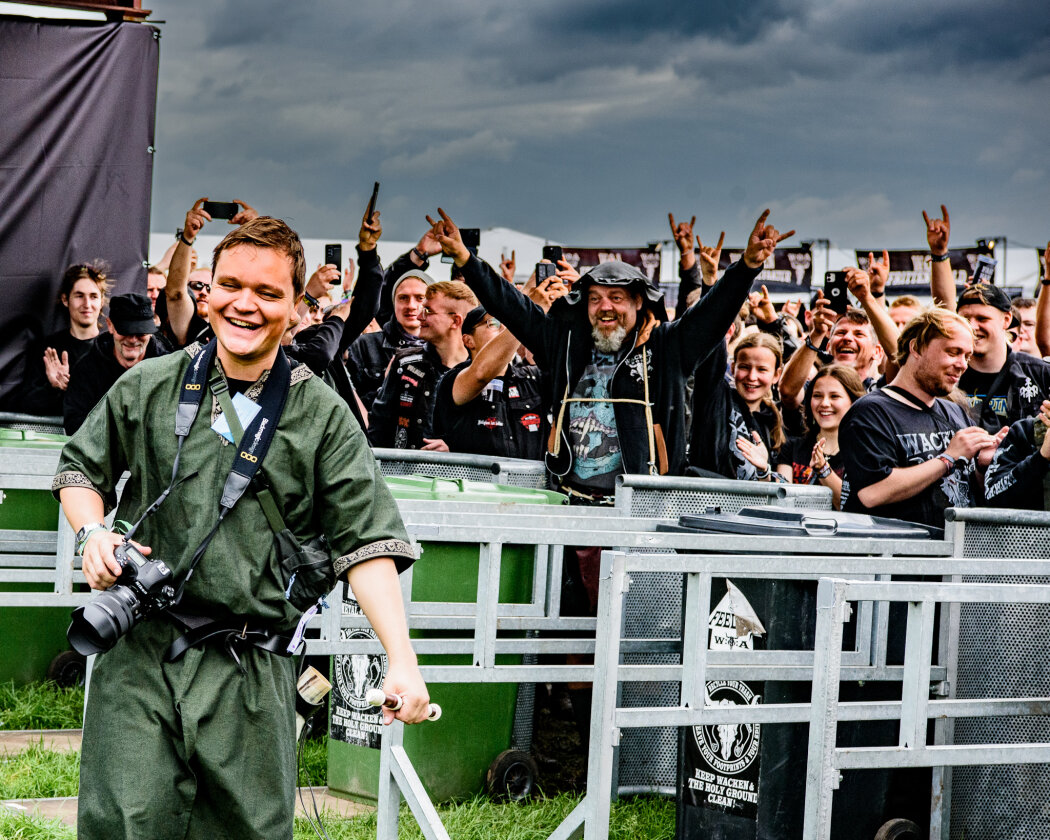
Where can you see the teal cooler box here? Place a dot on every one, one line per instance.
(32, 636)
(452, 755)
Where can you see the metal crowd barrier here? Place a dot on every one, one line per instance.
(867, 661)
(826, 760)
(671, 496)
(1002, 651)
(517, 472)
(31, 423)
(493, 526)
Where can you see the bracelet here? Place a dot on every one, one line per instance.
(1045, 281)
(939, 257)
(948, 461)
(762, 476)
(423, 258)
(184, 240)
(310, 299)
(878, 294)
(824, 471)
(811, 346)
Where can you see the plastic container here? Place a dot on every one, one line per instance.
(453, 755)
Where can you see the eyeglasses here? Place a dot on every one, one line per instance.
(492, 323)
(198, 285)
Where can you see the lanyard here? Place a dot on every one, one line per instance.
(252, 444)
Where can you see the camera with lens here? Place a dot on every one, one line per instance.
(143, 588)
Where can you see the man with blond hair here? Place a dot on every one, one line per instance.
(912, 453)
(402, 415)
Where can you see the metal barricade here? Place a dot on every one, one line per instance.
(826, 760)
(865, 662)
(490, 622)
(516, 472)
(1001, 649)
(648, 759)
(31, 423)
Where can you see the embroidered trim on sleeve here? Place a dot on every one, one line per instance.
(382, 548)
(73, 478)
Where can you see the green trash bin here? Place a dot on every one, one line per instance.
(453, 755)
(33, 636)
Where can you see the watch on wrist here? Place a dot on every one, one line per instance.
(85, 532)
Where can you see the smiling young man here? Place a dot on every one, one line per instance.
(50, 360)
(1002, 385)
(909, 452)
(204, 724)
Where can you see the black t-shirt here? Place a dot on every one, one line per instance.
(38, 396)
(880, 433)
(798, 451)
(977, 387)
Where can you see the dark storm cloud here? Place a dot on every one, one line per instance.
(587, 120)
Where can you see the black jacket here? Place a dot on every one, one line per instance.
(402, 413)
(93, 376)
(561, 341)
(1016, 476)
(37, 395)
(370, 354)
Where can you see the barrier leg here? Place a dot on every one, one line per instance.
(604, 736)
(397, 778)
(821, 772)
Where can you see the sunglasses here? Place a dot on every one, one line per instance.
(198, 285)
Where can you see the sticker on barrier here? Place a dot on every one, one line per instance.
(354, 719)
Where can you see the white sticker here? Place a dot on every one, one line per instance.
(246, 411)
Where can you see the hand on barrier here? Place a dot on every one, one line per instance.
(377, 697)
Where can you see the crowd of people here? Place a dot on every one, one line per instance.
(899, 409)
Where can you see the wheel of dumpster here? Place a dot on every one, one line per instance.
(68, 669)
(511, 776)
(898, 829)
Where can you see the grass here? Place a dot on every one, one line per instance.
(313, 762)
(478, 819)
(39, 773)
(20, 827)
(40, 706)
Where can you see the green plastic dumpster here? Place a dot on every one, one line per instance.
(32, 636)
(453, 755)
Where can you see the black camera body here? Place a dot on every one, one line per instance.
(143, 588)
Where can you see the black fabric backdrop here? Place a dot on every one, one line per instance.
(77, 107)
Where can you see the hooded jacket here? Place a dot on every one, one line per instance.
(656, 355)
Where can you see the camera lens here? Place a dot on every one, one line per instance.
(97, 626)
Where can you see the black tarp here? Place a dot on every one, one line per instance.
(77, 107)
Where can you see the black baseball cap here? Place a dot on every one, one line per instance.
(132, 315)
(473, 318)
(985, 294)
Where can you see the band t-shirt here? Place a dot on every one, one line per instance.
(977, 385)
(798, 451)
(591, 429)
(882, 433)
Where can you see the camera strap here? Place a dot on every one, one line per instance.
(252, 444)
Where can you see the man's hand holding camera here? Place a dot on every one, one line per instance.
(101, 568)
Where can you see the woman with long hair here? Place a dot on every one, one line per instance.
(737, 427)
(813, 457)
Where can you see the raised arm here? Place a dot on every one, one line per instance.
(1042, 307)
(180, 304)
(942, 281)
(796, 371)
(859, 283)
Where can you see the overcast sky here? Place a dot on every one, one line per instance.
(585, 121)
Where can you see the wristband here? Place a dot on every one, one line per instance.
(184, 240)
(811, 346)
(947, 460)
(878, 294)
(310, 299)
(939, 257)
(1045, 281)
(824, 471)
(84, 533)
(762, 476)
(423, 258)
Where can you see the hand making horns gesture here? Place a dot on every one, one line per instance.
(763, 242)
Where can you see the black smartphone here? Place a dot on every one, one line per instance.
(372, 201)
(471, 238)
(221, 209)
(552, 253)
(545, 270)
(984, 270)
(836, 292)
(333, 255)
